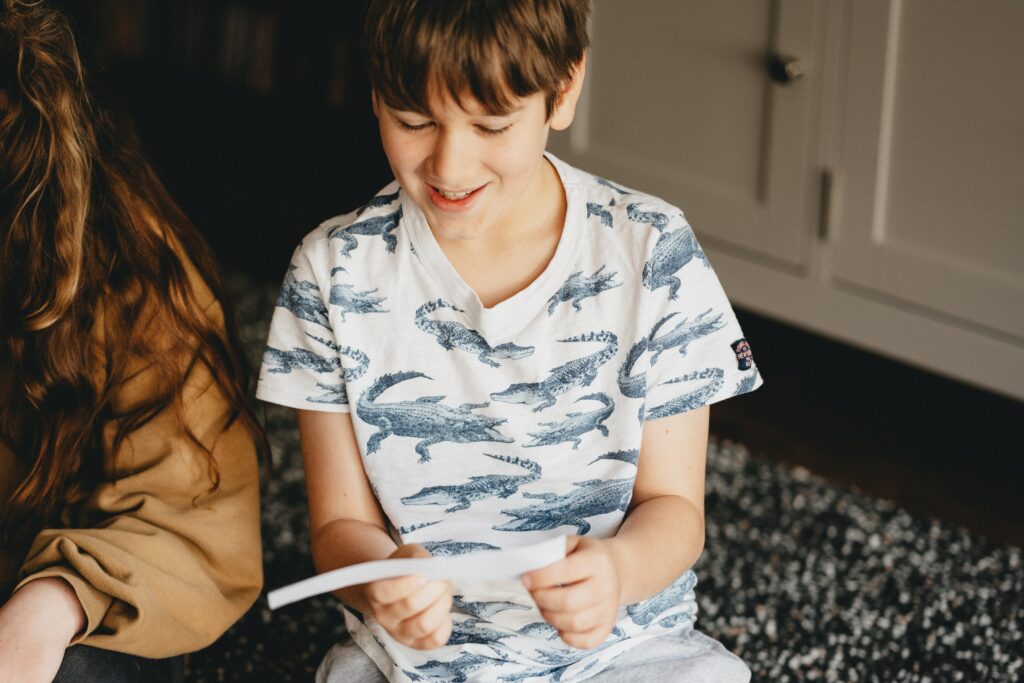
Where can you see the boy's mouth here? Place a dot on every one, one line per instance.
(455, 195)
(448, 199)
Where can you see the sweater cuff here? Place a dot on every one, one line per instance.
(95, 603)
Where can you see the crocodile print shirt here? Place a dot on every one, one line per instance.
(483, 428)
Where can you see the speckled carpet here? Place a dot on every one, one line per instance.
(805, 581)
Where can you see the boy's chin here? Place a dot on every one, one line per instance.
(456, 230)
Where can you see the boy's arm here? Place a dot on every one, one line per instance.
(348, 526)
(662, 535)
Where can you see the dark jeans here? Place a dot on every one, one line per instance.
(84, 664)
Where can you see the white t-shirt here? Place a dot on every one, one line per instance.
(483, 428)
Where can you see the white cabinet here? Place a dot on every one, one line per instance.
(878, 198)
(933, 155)
(677, 103)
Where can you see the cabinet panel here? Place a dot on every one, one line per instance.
(933, 158)
(678, 103)
(678, 122)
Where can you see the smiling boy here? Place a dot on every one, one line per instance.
(497, 349)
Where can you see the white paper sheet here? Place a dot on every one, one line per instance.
(493, 565)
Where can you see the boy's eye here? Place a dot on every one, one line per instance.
(410, 126)
(494, 131)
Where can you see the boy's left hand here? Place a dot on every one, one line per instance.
(579, 595)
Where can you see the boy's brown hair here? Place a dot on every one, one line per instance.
(493, 50)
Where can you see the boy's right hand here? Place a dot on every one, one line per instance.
(416, 611)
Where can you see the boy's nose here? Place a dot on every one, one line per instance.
(451, 162)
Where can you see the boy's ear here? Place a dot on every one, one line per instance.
(375, 102)
(565, 108)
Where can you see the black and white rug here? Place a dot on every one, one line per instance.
(805, 581)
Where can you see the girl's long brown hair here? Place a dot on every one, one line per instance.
(89, 244)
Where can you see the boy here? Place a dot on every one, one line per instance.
(498, 349)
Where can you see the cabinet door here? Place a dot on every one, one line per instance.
(678, 103)
(932, 160)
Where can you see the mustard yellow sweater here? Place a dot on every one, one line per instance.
(160, 565)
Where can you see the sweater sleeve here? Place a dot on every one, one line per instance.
(161, 563)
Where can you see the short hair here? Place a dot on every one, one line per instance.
(494, 50)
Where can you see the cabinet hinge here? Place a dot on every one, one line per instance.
(829, 203)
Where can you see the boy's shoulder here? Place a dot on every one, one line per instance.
(379, 216)
(615, 205)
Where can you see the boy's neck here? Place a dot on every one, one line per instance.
(500, 265)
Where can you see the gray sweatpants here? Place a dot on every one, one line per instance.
(691, 657)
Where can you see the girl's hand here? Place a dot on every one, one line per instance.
(416, 611)
(36, 625)
(579, 595)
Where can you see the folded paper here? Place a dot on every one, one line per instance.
(493, 565)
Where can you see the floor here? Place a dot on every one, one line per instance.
(937, 447)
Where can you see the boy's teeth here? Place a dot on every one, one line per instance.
(455, 195)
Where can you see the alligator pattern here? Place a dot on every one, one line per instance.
(540, 628)
(643, 613)
(631, 456)
(475, 631)
(449, 547)
(454, 335)
(379, 201)
(279, 361)
(633, 385)
(746, 384)
(426, 418)
(404, 531)
(455, 671)
(589, 499)
(578, 372)
(575, 425)
(673, 250)
(302, 299)
(680, 336)
(351, 302)
(283, 362)
(713, 380)
(382, 226)
(640, 214)
(579, 287)
(461, 496)
(485, 609)
(603, 214)
(565, 656)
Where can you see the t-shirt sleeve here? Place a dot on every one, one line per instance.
(697, 353)
(302, 364)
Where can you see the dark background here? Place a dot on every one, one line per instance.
(256, 114)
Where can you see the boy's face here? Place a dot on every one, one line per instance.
(472, 173)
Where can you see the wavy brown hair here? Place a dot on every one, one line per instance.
(90, 245)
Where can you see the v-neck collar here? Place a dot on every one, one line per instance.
(512, 314)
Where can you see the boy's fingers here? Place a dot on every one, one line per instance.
(389, 591)
(573, 568)
(413, 604)
(569, 598)
(581, 621)
(587, 640)
(438, 638)
(410, 550)
(429, 621)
